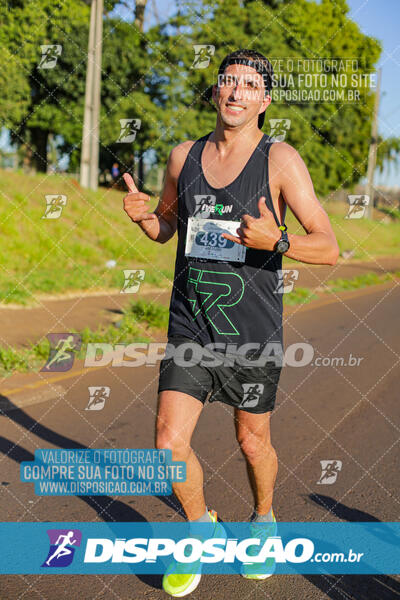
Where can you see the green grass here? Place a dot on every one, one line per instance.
(139, 322)
(52, 256)
(305, 295)
(23, 360)
(366, 237)
(155, 315)
(340, 285)
(299, 296)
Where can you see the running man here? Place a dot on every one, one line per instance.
(226, 274)
(64, 348)
(62, 549)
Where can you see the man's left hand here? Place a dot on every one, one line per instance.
(260, 233)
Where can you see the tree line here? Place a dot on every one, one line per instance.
(150, 76)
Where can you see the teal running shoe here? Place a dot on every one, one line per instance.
(181, 584)
(261, 531)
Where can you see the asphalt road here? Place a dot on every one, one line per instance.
(346, 413)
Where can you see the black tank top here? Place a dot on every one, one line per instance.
(220, 300)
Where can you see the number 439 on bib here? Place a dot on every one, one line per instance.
(204, 240)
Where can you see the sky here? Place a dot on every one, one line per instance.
(380, 19)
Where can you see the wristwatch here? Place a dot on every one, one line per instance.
(283, 244)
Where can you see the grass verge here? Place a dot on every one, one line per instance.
(139, 323)
(92, 241)
(304, 295)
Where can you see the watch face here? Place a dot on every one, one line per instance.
(282, 246)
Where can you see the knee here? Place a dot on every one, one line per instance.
(255, 447)
(167, 439)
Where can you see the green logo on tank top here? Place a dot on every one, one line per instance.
(214, 298)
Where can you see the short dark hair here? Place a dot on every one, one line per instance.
(254, 59)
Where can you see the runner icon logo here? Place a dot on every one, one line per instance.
(63, 347)
(62, 547)
(133, 279)
(203, 54)
(129, 129)
(330, 470)
(287, 278)
(97, 397)
(252, 393)
(279, 128)
(54, 206)
(50, 54)
(357, 206)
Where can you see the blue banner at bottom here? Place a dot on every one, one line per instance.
(224, 547)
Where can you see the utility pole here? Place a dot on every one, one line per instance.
(90, 133)
(372, 150)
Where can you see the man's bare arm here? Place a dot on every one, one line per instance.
(160, 225)
(290, 176)
(319, 246)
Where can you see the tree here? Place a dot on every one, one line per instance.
(151, 76)
(332, 137)
(22, 27)
(55, 94)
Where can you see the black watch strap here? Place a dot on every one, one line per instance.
(283, 244)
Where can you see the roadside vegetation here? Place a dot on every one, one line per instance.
(140, 322)
(93, 241)
(144, 321)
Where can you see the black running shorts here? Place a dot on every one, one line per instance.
(248, 388)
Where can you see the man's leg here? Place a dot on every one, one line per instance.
(177, 416)
(253, 435)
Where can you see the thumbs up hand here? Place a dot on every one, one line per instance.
(260, 233)
(136, 203)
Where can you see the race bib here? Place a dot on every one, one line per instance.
(204, 240)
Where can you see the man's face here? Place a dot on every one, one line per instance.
(240, 95)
